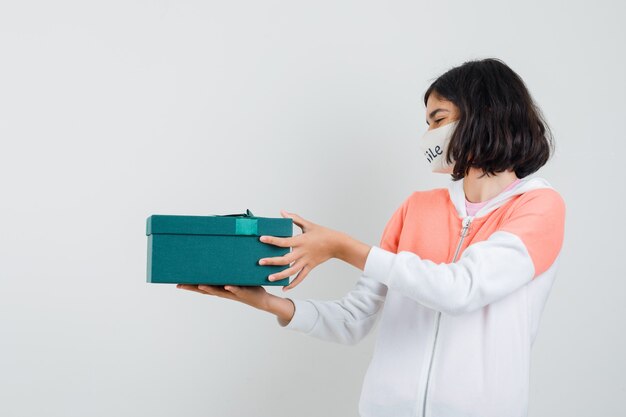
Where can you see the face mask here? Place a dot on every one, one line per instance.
(434, 144)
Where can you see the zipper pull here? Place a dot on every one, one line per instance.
(466, 225)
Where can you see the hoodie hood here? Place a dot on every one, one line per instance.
(457, 195)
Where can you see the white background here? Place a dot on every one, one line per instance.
(115, 110)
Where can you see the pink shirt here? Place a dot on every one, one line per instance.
(472, 208)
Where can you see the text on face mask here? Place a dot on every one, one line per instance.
(432, 154)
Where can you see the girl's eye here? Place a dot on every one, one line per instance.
(437, 121)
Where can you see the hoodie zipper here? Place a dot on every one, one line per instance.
(467, 220)
(464, 231)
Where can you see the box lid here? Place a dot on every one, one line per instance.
(224, 224)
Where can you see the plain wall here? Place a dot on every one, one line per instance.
(115, 110)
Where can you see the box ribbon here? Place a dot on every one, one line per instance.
(244, 226)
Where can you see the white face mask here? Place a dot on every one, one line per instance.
(434, 144)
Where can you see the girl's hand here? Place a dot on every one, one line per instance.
(256, 297)
(314, 246)
(253, 296)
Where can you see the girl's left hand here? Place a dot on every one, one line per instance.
(314, 246)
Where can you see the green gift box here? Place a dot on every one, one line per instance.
(214, 250)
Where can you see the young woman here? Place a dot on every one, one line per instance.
(461, 274)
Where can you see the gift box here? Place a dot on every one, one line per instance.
(214, 250)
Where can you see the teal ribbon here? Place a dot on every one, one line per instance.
(245, 226)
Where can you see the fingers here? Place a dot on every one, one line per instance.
(189, 287)
(208, 290)
(284, 242)
(287, 241)
(233, 289)
(279, 260)
(216, 290)
(301, 275)
(251, 295)
(286, 272)
(299, 221)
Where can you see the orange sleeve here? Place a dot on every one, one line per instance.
(539, 221)
(391, 234)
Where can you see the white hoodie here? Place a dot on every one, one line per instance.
(459, 300)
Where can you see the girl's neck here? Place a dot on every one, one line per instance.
(482, 189)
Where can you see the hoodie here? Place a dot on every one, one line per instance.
(458, 299)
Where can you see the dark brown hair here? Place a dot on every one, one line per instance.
(499, 127)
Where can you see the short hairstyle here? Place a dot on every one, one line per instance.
(499, 127)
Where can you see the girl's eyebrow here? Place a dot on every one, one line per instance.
(434, 112)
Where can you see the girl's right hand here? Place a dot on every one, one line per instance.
(256, 297)
(253, 296)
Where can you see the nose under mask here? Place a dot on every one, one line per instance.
(434, 144)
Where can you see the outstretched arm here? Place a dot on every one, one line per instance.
(346, 320)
